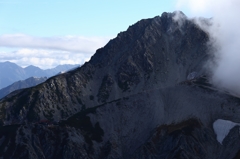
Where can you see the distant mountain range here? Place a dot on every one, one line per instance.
(11, 72)
(32, 81)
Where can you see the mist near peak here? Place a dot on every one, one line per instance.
(224, 41)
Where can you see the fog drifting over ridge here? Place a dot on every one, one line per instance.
(225, 39)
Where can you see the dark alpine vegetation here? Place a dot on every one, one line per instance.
(146, 94)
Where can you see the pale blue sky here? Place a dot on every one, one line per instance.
(48, 33)
(71, 17)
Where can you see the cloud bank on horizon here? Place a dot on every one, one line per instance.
(43, 58)
(225, 39)
(47, 52)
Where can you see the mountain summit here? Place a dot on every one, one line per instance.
(143, 95)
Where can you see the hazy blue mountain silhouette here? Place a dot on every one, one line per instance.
(11, 72)
(29, 82)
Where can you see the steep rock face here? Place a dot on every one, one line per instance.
(140, 96)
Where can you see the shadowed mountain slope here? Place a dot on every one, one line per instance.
(142, 95)
(153, 53)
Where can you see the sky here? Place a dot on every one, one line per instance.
(49, 33)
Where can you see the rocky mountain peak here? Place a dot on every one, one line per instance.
(152, 53)
(142, 94)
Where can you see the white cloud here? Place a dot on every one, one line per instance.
(66, 43)
(43, 58)
(225, 34)
(47, 52)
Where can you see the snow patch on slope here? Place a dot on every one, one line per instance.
(222, 128)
